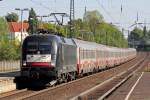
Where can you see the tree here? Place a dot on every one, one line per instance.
(3, 26)
(92, 18)
(92, 28)
(33, 21)
(12, 17)
(49, 26)
(145, 31)
(136, 34)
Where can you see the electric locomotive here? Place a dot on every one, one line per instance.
(48, 57)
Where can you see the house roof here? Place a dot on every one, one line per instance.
(16, 26)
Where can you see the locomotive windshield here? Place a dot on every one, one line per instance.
(32, 47)
(44, 47)
(38, 46)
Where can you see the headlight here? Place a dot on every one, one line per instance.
(24, 63)
(52, 63)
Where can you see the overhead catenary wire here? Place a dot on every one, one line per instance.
(40, 4)
(105, 10)
(108, 13)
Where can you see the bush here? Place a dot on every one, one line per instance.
(8, 49)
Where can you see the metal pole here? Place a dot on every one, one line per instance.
(21, 38)
(18, 9)
(21, 25)
(72, 17)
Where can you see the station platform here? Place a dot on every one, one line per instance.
(9, 74)
(142, 88)
(7, 81)
(136, 88)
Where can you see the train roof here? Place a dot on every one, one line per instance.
(87, 44)
(79, 43)
(52, 37)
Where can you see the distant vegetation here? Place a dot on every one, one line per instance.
(12, 17)
(91, 28)
(33, 21)
(9, 50)
(141, 35)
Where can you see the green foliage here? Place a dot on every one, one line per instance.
(3, 26)
(92, 28)
(136, 34)
(92, 18)
(33, 21)
(62, 30)
(49, 26)
(140, 38)
(12, 17)
(9, 50)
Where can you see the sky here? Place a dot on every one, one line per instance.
(110, 9)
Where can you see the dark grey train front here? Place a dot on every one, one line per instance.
(48, 56)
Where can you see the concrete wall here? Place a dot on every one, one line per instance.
(9, 66)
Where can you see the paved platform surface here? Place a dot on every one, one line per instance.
(137, 88)
(7, 81)
(9, 74)
(142, 89)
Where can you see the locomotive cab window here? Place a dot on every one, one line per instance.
(45, 47)
(32, 47)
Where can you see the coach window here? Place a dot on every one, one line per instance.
(82, 55)
(90, 53)
(101, 54)
(87, 54)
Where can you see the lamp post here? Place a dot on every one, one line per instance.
(21, 10)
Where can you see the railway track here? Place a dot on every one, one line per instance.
(102, 92)
(16, 94)
(73, 88)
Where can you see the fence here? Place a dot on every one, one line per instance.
(9, 66)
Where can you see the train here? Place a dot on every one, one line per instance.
(49, 57)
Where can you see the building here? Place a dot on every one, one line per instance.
(15, 30)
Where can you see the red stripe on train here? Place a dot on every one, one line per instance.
(39, 64)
